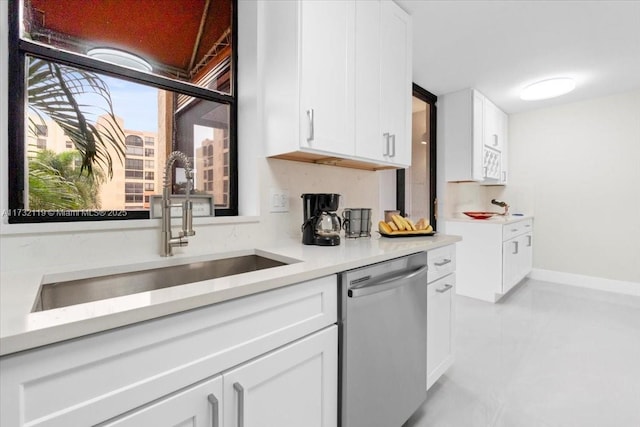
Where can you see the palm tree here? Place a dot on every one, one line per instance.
(55, 184)
(54, 90)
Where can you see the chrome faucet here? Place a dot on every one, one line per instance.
(168, 241)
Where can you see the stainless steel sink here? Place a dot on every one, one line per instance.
(64, 293)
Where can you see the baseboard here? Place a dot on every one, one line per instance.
(599, 283)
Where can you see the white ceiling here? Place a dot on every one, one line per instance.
(498, 47)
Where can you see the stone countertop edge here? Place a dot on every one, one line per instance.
(502, 220)
(21, 329)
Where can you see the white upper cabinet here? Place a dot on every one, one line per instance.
(305, 71)
(326, 74)
(336, 81)
(383, 83)
(473, 132)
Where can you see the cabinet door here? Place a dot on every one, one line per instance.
(477, 139)
(511, 256)
(492, 128)
(395, 82)
(326, 76)
(200, 405)
(503, 129)
(290, 387)
(440, 300)
(526, 255)
(370, 141)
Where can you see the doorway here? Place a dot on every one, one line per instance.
(416, 185)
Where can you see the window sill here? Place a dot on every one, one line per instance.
(141, 224)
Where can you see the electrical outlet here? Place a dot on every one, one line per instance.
(278, 200)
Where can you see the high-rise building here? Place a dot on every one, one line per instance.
(212, 167)
(135, 177)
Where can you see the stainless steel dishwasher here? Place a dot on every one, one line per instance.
(383, 342)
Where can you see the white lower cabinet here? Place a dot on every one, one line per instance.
(290, 387)
(440, 311)
(494, 256)
(516, 260)
(268, 359)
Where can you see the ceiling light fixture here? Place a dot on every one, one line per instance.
(548, 89)
(120, 57)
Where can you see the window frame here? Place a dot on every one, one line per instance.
(19, 49)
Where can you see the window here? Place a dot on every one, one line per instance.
(133, 169)
(133, 141)
(134, 145)
(123, 114)
(42, 130)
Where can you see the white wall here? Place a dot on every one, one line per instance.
(62, 247)
(576, 167)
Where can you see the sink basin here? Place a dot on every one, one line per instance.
(64, 293)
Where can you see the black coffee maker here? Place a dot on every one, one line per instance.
(321, 225)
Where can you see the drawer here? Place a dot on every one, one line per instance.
(441, 261)
(517, 228)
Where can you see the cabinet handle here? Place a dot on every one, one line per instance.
(504, 176)
(445, 262)
(393, 145)
(240, 392)
(513, 230)
(213, 401)
(310, 136)
(528, 241)
(515, 248)
(495, 140)
(386, 143)
(445, 289)
(527, 225)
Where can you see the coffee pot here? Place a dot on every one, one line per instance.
(321, 224)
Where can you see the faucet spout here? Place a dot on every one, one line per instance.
(168, 240)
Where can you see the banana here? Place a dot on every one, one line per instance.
(400, 225)
(383, 227)
(399, 221)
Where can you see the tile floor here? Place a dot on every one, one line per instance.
(546, 355)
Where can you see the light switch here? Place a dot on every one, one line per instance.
(278, 200)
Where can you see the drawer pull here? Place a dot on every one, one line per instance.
(213, 401)
(527, 225)
(513, 230)
(240, 391)
(445, 289)
(445, 262)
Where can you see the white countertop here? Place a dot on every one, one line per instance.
(20, 329)
(498, 219)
